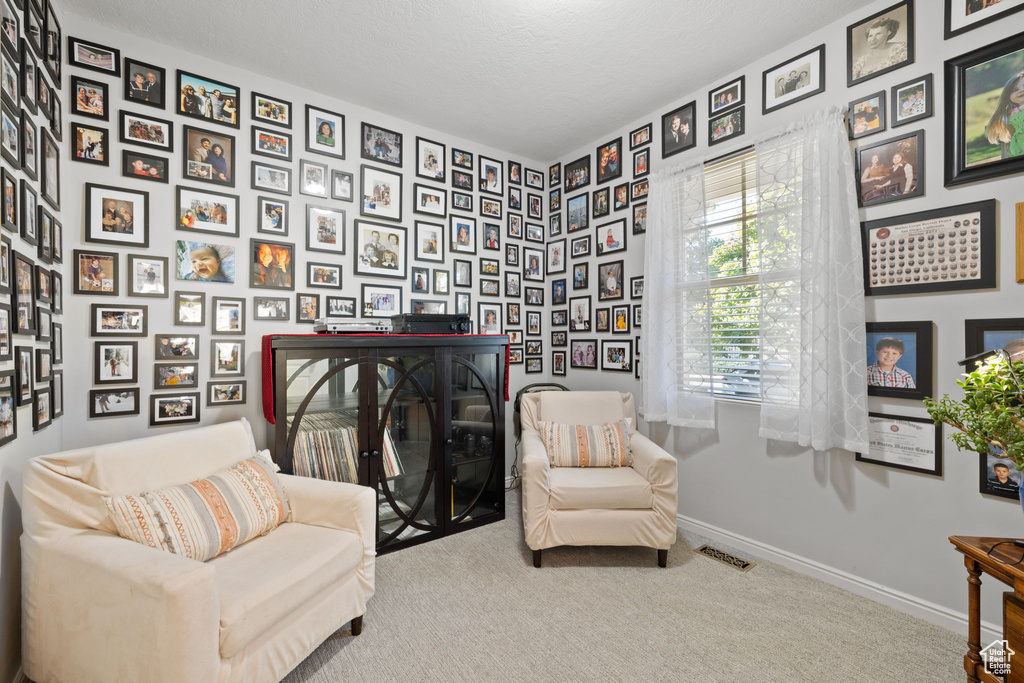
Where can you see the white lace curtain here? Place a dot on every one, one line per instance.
(813, 369)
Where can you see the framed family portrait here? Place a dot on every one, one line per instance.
(325, 229)
(144, 83)
(795, 79)
(902, 253)
(617, 355)
(462, 158)
(577, 174)
(272, 110)
(209, 156)
(429, 200)
(202, 98)
(891, 170)
(381, 144)
(116, 216)
(677, 130)
(323, 275)
(880, 43)
(380, 250)
(899, 359)
(380, 301)
(147, 276)
(175, 346)
(381, 193)
(205, 211)
(583, 354)
(609, 161)
(165, 409)
(984, 117)
(725, 97)
(904, 443)
(148, 131)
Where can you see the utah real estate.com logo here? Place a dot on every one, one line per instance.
(997, 658)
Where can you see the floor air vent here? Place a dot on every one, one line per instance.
(726, 558)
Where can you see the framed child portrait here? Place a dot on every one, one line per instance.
(899, 359)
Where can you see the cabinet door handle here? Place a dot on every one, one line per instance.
(364, 454)
(375, 453)
(448, 442)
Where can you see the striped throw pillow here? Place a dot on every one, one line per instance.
(208, 517)
(604, 445)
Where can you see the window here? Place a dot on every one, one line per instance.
(730, 190)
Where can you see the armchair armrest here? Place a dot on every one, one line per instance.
(652, 462)
(92, 598)
(332, 504)
(536, 487)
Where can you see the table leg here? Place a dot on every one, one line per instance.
(972, 660)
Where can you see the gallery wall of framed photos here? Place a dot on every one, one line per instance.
(957, 200)
(219, 205)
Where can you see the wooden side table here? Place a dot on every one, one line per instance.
(1001, 559)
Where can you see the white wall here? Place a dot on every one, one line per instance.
(883, 525)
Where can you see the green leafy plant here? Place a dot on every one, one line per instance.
(990, 417)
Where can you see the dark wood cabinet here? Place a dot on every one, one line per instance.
(420, 419)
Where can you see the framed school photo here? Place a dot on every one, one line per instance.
(984, 116)
(678, 130)
(380, 193)
(116, 216)
(325, 229)
(462, 232)
(795, 79)
(144, 83)
(271, 110)
(199, 97)
(899, 359)
(492, 176)
(880, 43)
(381, 144)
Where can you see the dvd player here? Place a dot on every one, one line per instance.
(348, 326)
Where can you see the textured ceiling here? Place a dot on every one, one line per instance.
(538, 78)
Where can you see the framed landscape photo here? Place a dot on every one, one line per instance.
(271, 110)
(147, 276)
(891, 170)
(149, 131)
(325, 229)
(167, 409)
(271, 178)
(206, 211)
(144, 83)
(966, 16)
(725, 97)
(795, 79)
(899, 359)
(912, 100)
(880, 43)
(91, 144)
(724, 127)
(430, 159)
(199, 97)
(381, 193)
(984, 119)
(209, 156)
(867, 115)
(140, 166)
(678, 130)
(577, 174)
(970, 229)
(381, 250)
(904, 443)
(86, 54)
(381, 144)
(116, 216)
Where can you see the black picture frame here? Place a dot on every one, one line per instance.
(578, 354)
(988, 482)
(11, 149)
(679, 129)
(371, 135)
(340, 307)
(271, 308)
(378, 261)
(606, 247)
(182, 380)
(150, 162)
(515, 173)
(272, 275)
(8, 403)
(49, 175)
(723, 127)
(881, 25)
(642, 135)
(281, 183)
(955, 23)
(190, 104)
(194, 169)
(143, 129)
(867, 115)
(99, 362)
(323, 275)
(272, 110)
(155, 287)
(325, 229)
(176, 408)
(775, 92)
(922, 423)
(922, 84)
(140, 329)
(882, 182)
(98, 197)
(727, 96)
(577, 174)
(42, 410)
(462, 158)
(989, 334)
(370, 178)
(313, 178)
(153, 92)
(580, 319)
(179, 346)
(86, 282)
(974, 216)
(963, 164)
(202, 210)
(265, 139)
(307, 307)
(608, 272)
(237, 395)
(88, 54)
(423, 164)
(126, 396)
(371, 307)
(101, 112)
(612, 168)
(229, 324)
(917, 357)
(601, 200)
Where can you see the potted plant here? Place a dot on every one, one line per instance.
(990, 416)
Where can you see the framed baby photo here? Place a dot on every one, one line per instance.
(678, 130)
(208, 100)
(225, 393)
(190, 308)
(228, 315)
(325, 229)
(271, 264)
(725, 97)
(967, 16)
(880, 43)
(577, 174)
(795, 79)
(147, 276)
(204, 262)
(463, 234)
(899, 359)
(208, 212)
(726, 126)
(912, 101)
(380, 144)
(312, 178)
(891, 170)
(139, 166)
(381, 250)
(165, 409)
(429, 200)
(86, 54)
(117, 216)
(271, 178)
(984, 120)
(640, 137)
(867, 115)
(462, 158)
(91, 98)
(381, 193)
(271, 308)
(119, 320)
(209, 156)
(430, 159)
(144, 83)
(271, 110)
(611, 237)
(149, 131)
(380, 301)
(307, 307)
(609, 160)
(271, 142)
(341, 186)
(429, 242)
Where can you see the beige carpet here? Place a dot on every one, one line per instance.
(471, 607)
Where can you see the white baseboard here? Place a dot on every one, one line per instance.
(904, 602)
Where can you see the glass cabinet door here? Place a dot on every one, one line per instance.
(323, 409)
(475, 486)
(406, 448)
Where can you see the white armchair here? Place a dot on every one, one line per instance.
(98, 607)
(595, 505)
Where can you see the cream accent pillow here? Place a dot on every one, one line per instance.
(604, 445)
(208, 517)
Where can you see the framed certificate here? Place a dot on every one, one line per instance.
(905, 443)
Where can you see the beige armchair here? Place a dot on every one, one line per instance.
(594, 505)
(97, 607)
